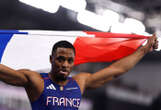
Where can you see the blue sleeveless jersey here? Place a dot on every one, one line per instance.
(55, 97)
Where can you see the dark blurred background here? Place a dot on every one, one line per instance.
(139, 89)
(18, 15)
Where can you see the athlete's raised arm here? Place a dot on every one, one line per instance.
(30, 80)
(86, 80)
(15, 77)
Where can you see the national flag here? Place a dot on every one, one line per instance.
(31, 49)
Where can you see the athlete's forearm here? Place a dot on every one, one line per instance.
(127, 63)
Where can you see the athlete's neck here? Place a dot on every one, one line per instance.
(57, 80)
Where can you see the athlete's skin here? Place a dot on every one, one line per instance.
(62, 62)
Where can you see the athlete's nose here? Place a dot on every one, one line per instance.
(65, 64)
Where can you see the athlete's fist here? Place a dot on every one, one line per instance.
(152, 43)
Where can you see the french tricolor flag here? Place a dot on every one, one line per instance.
(31, 48)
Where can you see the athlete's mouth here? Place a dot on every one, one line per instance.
(64, 72)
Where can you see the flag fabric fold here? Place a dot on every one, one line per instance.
(31, 48)
(104, 49)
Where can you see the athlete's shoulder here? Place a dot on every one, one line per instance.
(26, 71)
(29, 73)
(81, 76)
(81, 79)
(44, 75)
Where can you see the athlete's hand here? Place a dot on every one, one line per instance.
(152, 43)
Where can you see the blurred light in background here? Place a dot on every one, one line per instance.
(93, 20)
(125, 94)
(110, 17)
(135, 26)
(100, 22)
(75, 5)
(119, 28)
(130, 25)
(51, 6)
(86, 104)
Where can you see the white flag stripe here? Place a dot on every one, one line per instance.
(58, 33)
(30, 52)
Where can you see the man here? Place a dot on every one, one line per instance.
(59, 92)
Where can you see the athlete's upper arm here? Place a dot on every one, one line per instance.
(81, 79)
(34, 85)
(103, 76)
(88, 80)
(15, 77)
(11, 76)
(32, 78)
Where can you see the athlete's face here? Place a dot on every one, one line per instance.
(62, 62)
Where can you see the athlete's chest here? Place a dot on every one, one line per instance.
(70, 90)
(62, 96)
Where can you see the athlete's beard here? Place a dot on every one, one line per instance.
(60, 78)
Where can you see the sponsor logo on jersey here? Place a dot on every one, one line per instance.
(51, 86)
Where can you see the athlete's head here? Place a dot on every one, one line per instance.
(62, 59)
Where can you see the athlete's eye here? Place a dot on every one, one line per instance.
(61, 59)
(70, 60)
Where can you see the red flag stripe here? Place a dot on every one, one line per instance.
(104, 49)
(116, 35)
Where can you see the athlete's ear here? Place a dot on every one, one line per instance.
(51, 58)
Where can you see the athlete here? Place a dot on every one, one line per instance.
(57, 91)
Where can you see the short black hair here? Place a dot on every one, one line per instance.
(64, 44)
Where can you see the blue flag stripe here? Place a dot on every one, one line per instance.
(11, 32)
(4, 39)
